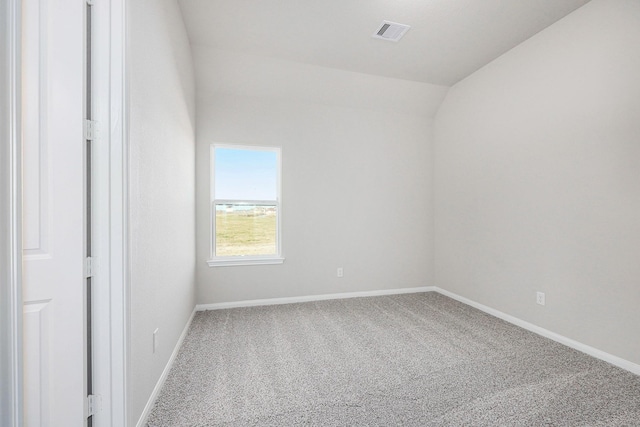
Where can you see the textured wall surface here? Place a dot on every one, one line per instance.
(356, 176)
(537, 184)
(162, 190)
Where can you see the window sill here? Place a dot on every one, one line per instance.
(244, 261)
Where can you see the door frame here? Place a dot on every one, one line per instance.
(10, 218)
(110, 207)
(111, 223)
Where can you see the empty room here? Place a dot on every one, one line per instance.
(328, 213)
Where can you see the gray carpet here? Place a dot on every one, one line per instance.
(412, 360)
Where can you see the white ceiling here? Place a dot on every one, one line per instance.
(448, 39)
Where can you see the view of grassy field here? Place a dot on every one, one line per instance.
(245, 233)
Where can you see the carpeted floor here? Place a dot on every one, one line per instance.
(412, 360)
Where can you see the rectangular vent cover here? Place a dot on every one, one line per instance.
(391, 31)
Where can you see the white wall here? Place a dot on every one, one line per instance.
(537, 180)
(162, 115)
(356, 159)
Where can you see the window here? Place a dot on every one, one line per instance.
(245, 206)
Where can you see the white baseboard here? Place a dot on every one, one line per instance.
(323, 297)
(142, 421)
(591, 351)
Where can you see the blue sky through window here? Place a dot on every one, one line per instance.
(245, 174)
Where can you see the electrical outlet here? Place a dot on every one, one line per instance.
(540, 298)
(340, 272)
(155, 340)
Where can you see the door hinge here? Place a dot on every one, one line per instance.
(90, 127)
(90, 2)
(94, 404)
(89, 267)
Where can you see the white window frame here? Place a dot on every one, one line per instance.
(226, 261)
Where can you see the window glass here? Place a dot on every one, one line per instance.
(245, 205)
(246, 229)
(245, 174)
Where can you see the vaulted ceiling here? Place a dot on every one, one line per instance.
(448, 39)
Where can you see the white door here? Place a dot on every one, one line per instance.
(53, 212)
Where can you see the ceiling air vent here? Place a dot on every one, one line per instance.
(390, 31)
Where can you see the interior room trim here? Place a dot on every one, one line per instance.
(308, 298)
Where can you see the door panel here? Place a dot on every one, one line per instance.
(53, 212)
(37, 339)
